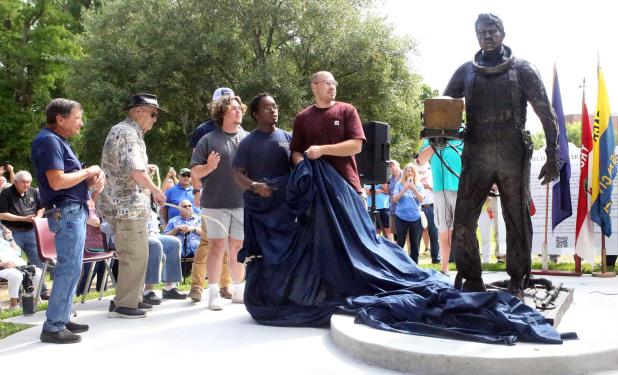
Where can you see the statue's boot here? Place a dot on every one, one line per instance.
(516, 288)
(474, 285)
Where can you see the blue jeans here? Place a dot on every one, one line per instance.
(70, 229)
(27, 242)
(163, 247)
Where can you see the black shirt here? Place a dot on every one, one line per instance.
(14, 203)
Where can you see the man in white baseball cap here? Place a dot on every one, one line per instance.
(208, 126)
(198, 270)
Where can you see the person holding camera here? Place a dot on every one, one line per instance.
(408, 195)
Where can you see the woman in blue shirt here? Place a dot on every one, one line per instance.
(408, 195)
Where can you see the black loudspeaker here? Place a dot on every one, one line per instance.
(372, 160)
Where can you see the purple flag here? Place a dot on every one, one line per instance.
(561, 191)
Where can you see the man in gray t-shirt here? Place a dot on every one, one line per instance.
(218, 187)
(221, 199)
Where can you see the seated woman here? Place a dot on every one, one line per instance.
(12, 269)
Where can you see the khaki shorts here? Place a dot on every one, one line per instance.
(444, 209)
(232, 219)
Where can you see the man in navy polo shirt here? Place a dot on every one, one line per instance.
(174, 195)
(63, 186)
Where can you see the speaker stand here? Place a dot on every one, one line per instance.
(375, 215)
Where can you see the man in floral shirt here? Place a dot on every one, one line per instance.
(125, 201)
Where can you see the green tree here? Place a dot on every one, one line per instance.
(182, 50)
(574, 133)
(35, 48)
(538, 140)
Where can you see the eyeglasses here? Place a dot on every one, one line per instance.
(491, 32)
(185, 175)
(186, 206)
(270, 108)
(153, 114)
(329, 82)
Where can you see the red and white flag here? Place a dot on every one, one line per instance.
(584, 231)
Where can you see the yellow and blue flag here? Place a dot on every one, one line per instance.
(605, 160)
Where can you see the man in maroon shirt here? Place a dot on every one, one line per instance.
(329, 128)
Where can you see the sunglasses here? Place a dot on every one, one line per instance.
(153, 114)
(186, 206)
(185, 175)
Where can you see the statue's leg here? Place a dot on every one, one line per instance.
(477, 177)
(514, 186)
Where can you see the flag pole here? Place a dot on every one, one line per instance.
(544, 254)
(577, 258)
(544, 246)
(604, 272)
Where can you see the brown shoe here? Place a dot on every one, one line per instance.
(226, 292)
(195, 294)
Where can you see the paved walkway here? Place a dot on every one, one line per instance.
(181, 337)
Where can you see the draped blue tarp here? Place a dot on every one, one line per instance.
(315, 252)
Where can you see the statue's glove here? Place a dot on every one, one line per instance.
(551, 169)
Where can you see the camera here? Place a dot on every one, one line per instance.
(29, 271)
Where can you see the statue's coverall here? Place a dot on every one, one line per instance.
(497, 149)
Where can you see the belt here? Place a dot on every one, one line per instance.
(427, 205)
(50, 206)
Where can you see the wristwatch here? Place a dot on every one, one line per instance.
(254, 187)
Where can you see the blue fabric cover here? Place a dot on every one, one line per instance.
(320, 254)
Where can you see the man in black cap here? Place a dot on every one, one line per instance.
(497, 87)
(125, 201)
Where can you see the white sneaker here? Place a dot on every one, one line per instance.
(214, 300)
(238, 293)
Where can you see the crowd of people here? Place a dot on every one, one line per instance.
(151, 238)
(227, 207)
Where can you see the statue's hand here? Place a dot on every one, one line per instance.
(550, 170)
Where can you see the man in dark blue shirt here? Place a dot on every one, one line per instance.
(63, 186)
(265, 153)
